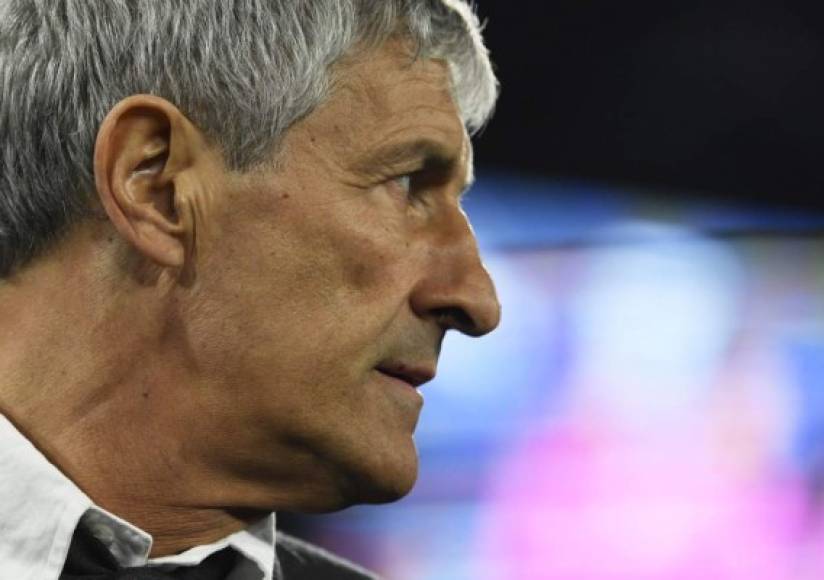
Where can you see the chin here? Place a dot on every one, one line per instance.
(382, 480)
(362, 491)
(391, 475)
(373, 482)
(388, 489)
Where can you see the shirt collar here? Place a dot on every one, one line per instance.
(40, 509)
(256, 543)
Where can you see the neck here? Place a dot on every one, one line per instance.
(80, 366)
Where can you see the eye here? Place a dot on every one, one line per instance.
(404, 182)
(418, 185)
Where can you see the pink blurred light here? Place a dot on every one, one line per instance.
(585, 503)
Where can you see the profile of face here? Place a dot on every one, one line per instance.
(324, 284)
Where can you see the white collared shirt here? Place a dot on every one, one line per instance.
(40, 509)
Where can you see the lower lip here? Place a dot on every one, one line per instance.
(402, 384)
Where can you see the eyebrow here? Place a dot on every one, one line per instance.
(433, 154)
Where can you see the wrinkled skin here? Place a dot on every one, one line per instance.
(330, 265)
(229, 330)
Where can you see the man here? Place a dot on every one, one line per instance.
(231, 243)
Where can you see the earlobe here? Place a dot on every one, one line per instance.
(145, 148)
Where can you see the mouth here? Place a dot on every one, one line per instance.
(412, 375)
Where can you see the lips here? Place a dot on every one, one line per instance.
(414, 375)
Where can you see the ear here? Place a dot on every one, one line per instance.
(145, 151)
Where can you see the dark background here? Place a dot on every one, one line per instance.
(709, 99)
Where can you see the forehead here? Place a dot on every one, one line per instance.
(385, 95)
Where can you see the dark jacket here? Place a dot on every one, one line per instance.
(302, 561)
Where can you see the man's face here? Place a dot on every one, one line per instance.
(325, 286)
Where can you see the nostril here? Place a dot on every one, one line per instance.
(455, 318)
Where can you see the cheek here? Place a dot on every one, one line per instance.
(287, 276)
(370, 267)
(372, 253)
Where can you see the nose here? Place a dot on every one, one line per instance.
(456, 289)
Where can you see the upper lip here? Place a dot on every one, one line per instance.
(415, 375)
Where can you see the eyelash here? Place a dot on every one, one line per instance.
(415, 184)
(405, 182)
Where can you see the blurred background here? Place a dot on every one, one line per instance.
(650, 205)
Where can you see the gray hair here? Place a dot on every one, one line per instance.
(242, 70)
